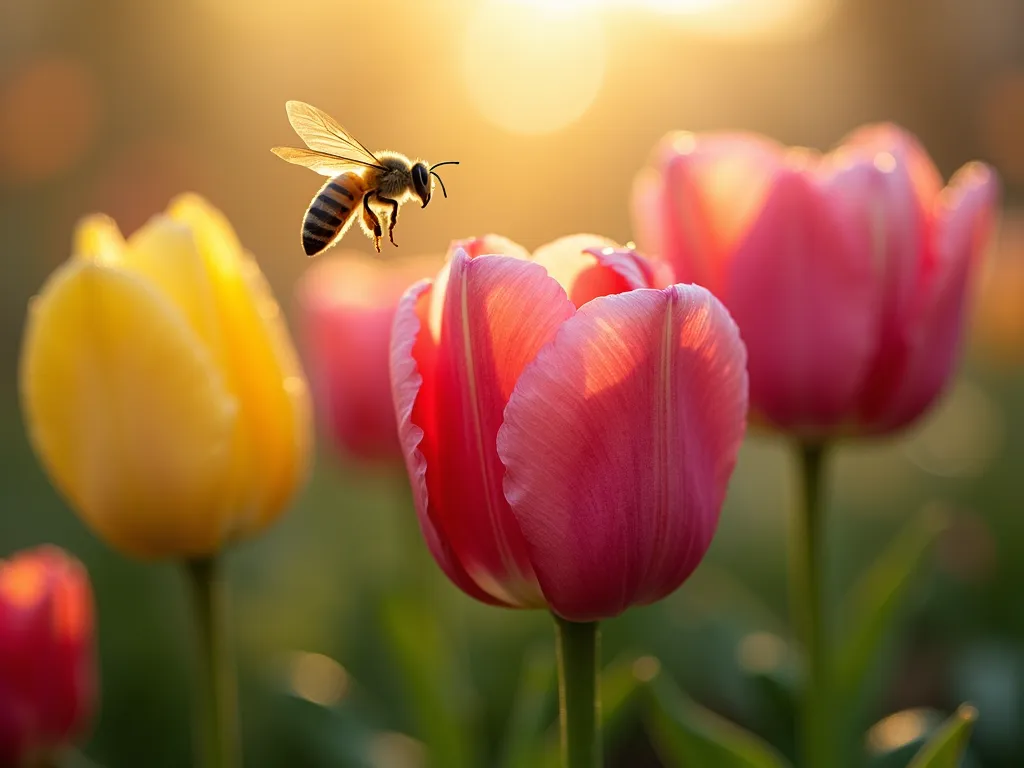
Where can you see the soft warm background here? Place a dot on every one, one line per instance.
(117, 106)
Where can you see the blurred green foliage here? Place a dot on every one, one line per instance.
(428, 672)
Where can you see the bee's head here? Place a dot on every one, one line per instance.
(421, 179)
(421, 182)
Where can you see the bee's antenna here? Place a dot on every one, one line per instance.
(446, 162)
(445, 191)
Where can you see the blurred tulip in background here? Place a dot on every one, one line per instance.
(567, 448)
(48, 685)
(346, 306)
(160, 387)
(847, 273)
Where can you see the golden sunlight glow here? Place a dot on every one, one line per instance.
(723, 19)
(533, 69)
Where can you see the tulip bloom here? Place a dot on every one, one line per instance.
(47, 662)
(160, 388)
(846, 273)
(567, 449)
(347, 305)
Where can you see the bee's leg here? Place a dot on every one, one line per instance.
(392, 219)
(372, 222)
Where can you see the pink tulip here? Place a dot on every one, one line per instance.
(847, 273)
(347, 304)
(47, 664)
(569, 430)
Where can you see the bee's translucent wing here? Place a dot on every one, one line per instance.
(321, 162)
(322, 133)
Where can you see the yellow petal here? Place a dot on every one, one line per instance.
(262, 368)
(128, 411)
(97, 238)
(166, 253)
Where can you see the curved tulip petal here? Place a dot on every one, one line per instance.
(98, 238)
(872, 192)
(488, 244)
(804, 296)
(964, 226)
(274, 436)
(888, 139)
(588, 266)
(713, 189)
(146, 396)
(347, 308)
(166, 254)
(47, 661)
(413, 366)
(498, 313)
(618, 443)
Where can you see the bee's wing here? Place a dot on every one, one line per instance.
(322, 133)
(321, 162)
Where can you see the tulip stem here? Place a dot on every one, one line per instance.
(578, 703)
(807, 580)
(216, 709)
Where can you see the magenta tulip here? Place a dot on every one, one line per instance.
(847, 273)
(346, 307)
(47, 663)
(569, 430)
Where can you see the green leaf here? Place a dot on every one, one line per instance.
(686, 735)
(427, 671)
(947, 746)
(876, 601)
(532, 709)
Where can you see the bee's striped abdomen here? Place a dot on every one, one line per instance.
(331, 212)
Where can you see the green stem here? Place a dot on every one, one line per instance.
(578, 703)
(807, 580)
(216, 709)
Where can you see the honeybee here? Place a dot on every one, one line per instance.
(357, 177)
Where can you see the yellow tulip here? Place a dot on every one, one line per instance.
(161, 389)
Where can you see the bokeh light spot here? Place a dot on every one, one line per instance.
(897, 730)
(49, 111)
(317, 678)
(761, 652)
(646, 668)
(530, 69)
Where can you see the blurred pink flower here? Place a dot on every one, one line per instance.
(567, 448)
(347, 304)
(47, 662)
(847, 273)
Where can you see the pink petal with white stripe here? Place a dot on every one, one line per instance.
(619, 441)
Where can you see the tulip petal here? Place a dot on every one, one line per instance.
(274, 439)
(886, 138)
(112, 375)
(347, 305)
(413, 365)
(712, 189)
(165, 252)
(98, 238)
(964, 225)
(805, 297)
(619, 441)
(46, 652)
(498, 313)
(588, 266)
(488, 244)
